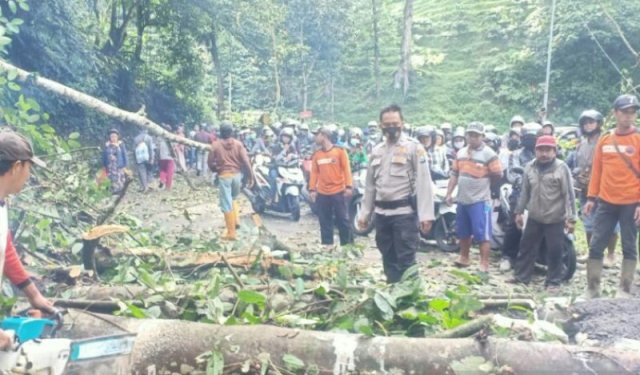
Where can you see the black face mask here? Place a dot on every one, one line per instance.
(513, 144)
(529, 143)
(392, 133)
(589, 134)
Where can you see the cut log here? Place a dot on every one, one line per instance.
(163, 346)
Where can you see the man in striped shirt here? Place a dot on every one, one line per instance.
(473, 170)
(330, 186)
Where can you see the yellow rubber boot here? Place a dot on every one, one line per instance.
(230, 222)
(236, 213)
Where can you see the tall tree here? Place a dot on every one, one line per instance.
(402, 75)
(376, 46)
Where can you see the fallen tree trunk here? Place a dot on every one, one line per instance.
(163, 347)
(89, 101)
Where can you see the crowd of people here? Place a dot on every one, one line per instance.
(600, 173)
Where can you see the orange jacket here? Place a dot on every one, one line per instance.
(330, 171)
(611, 178)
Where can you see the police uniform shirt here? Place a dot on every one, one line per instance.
(393, 169)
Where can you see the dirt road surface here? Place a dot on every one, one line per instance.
(196, 212)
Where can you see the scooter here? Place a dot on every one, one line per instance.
(569, 258)
(359, 178)
(444, 226)
(289, 185)
(306, 172)
(36, 350)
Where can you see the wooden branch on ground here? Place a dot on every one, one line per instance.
(467, 329)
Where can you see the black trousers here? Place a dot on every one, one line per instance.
(330, 206)
(534, 236)
(397, 238)
(606, 217)
(511, 243)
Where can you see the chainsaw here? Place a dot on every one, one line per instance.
(36, 351)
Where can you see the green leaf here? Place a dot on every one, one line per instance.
(135, 311)
(439, 304)
(24, 5)
(252, 297)
(74, 135)
(215, 364)
(12, 74)
(292, 363)
(409, 314)
(383, 305)
(13, 86)
(299, 287)
(12, 6)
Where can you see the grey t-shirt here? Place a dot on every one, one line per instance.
(473, 167)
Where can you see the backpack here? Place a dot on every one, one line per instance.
(142, 153)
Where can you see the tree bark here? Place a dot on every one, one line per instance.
(215, 57)
(376, 47)
(88, 101)
(276, 71)
(402, 76)
(168, 344)
(142, 19)
(118, 30)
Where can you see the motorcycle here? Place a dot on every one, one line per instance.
(444, 226)
(306, 172)
(289, 184)
(569, 257)
(359, 182)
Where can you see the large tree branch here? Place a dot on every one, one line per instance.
(98, 105)
(621, 33)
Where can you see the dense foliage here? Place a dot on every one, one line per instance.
(203, 60)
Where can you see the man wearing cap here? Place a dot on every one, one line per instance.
(399, 189)
(330, 186)
(229, 159)
(474, 169)
(547, 194)
(615, 185)
(16, 159)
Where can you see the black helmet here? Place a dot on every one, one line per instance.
(590, 114)
(531, 128)
(492, 140)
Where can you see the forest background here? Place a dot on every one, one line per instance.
(204, 60)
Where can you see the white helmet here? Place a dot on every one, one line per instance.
(356, 132)
(332, 128)
(286, 132)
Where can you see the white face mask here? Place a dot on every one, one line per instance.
(458, 144)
